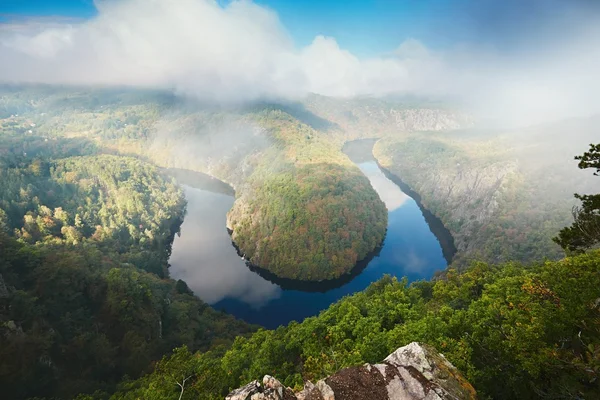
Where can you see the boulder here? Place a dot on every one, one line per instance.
(434, 367)
(245, 392)
(413, 372)
(271, 389)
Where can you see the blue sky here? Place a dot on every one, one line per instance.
(70, 8)
(374, 27)
(365, 27)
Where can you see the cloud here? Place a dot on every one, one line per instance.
(241, 52)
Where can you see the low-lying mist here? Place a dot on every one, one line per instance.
(541, 63)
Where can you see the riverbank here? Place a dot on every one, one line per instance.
(362, 151)
(205, 258)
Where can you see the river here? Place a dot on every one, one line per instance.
(203, 255)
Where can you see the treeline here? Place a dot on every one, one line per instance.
(515, 331)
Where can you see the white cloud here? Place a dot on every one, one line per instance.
(241, 52)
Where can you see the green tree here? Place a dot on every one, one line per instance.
(180, 368)
(584, 233)
(3, 221)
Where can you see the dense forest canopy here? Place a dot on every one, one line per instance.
(515, 331)
(249, 147)
(87, 220)
(78, 318)
(335, 216)
(84, 294)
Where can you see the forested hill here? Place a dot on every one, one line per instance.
(84, 293)
(503, 195)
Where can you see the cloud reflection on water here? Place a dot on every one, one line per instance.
(388, 191)
(203, 257)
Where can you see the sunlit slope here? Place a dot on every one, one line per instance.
(302, 209)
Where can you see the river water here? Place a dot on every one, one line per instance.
(203, 256)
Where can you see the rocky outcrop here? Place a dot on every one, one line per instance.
(271, 389)
(424, 119)
(412, 372)
(368, 117)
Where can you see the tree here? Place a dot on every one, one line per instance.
(179, 368)
(590, 159)
(585, 231)
(3, 221)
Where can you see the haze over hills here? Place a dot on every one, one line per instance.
(105, 115)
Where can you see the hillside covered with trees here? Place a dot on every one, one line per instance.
(514, 330)
(251, 147)
(84, 291)
(503, 196)
(87, 220)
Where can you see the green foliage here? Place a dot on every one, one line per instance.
(515, 331)
(584, 233)
(84, 297)
(590, 159)
(77, 319)
(311, 223)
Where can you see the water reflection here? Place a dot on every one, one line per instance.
(388, 191)
(203, 256)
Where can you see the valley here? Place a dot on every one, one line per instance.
(345, 243)
(299, 200)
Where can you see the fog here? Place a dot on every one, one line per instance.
(521, 62)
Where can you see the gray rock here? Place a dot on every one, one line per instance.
(413, 372)
(271, 389)
(434, 367)
(310, 392)
(325, 390)
(245, 392)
